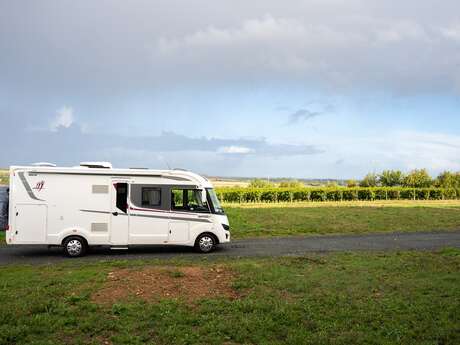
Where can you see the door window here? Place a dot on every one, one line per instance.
(188, 200)
(122, 196)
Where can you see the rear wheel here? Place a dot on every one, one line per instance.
(75, 246)
(205, 243)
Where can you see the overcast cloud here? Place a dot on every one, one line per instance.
(403, 46)
(211, 85)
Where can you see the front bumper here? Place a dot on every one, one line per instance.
(226, 238)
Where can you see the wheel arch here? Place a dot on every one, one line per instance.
(72, 231)
(74, 235)
(214, 236)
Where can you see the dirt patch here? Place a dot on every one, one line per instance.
(152, 284)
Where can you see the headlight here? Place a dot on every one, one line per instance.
(226, 227)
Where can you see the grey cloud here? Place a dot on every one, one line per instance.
(311, 110)
(71, 145)
(170, 141)
(116, 47)
(362, 51)
(303, 115)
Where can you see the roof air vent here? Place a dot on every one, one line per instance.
(103, 165)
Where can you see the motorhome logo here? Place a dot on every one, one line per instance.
(39, 186)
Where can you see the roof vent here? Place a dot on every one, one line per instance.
(103, 165)
(43, 164)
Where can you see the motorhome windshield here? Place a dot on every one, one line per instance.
(214, 201)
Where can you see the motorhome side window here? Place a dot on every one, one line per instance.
(146, 196)
(122, 196)
(151, 197)
(188, 200)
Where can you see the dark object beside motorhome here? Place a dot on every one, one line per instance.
(4, 199)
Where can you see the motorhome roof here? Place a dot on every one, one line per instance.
(79, 170)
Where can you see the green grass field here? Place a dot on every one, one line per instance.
(393, 298)
(256, 220)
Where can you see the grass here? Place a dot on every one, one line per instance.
(256, 220)
(383, 298)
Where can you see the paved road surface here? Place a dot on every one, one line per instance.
(244, 248)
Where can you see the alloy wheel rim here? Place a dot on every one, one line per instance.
(206, 243)
(74, 247)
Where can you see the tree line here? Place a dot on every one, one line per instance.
(417, 178)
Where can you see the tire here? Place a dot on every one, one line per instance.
(75, 246)
(205, 243)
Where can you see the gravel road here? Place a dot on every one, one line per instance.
(246, 248)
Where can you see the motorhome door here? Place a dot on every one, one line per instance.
(119, 225)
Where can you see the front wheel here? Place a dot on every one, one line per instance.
(205, 243)
(75, 246)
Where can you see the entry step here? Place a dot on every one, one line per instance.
(119, 248)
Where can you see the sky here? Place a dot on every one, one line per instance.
(267, 88)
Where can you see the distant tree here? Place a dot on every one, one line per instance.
(352, 183)
(259, 183)
(291, 184)
(370, 180)
(391, 178)
(457, 179)
(445, 179)
(332, 184)
(448, 179)
(418, 178)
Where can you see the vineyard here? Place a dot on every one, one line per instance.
(273, 195)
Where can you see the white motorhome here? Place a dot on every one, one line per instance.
(94, 204)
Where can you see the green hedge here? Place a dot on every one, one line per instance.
(241, 195)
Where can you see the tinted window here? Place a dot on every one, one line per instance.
(122, 196)
(151, 197)
(188, 200)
